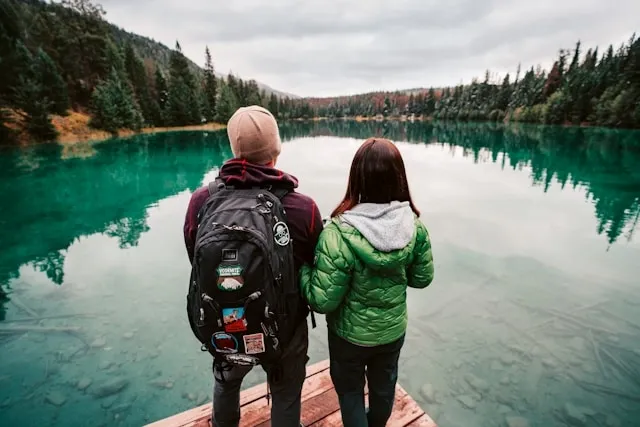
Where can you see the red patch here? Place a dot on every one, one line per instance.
(236, 326)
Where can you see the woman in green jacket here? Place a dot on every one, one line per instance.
(373, 248)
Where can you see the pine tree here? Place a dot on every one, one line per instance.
(210, 88)
(227, 104)
(53, 86)
(274, 106)
(554, 80)
(10, 31)
(137, 77)
(34, 109)
(430, 103)
(504, 94)
(252, 93)
(162, 98)
(30, 95)
(114, 106)
(411, 108)
(387, 107)
(576, 59)
(183, 103)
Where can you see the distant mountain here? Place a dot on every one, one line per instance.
(152, 50)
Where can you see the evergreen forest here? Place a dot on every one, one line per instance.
(592, 87)
(61, 57)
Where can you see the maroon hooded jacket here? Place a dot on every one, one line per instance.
(303, 215)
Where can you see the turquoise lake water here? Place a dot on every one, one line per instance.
(534, 311)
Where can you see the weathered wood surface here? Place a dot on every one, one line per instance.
(319, 406)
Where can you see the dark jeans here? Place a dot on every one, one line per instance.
(349, 365)
(285, 392)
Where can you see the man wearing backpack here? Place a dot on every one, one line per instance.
(255, 143)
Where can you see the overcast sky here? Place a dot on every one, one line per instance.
(334, 47)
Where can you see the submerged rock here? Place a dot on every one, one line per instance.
(161, 384)
(123, 407)
(574, 361)
(578, 344)
(504, 409)
(508, 359)
(496, 366)
(505, 380)
(104, 365)
(127, 335)
(504, 398)
(202, 399)
(467, 401)
(577, 415)
(548, 363)
(5, 403)
(84, 383)
(517, 422)
(111, 387)
(517, 350)
(477, 384)
(98, 343)
(192, 397)
(428, 393)
(55, 398)
(108, 402)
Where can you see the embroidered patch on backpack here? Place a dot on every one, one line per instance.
(224, 343)
(254, 343)
(281, 234)
(229, 278)
(234, 320)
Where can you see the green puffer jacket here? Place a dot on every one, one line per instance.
(361, 283)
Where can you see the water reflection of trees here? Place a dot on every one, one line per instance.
(605, 162)
(48, 203)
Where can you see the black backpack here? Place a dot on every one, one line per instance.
(244, 303)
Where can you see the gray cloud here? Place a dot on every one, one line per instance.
(335, 47)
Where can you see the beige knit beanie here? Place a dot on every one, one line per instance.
(254, 136)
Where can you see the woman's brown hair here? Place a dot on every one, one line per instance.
(377, 176)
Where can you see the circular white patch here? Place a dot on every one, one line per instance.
(281, 234)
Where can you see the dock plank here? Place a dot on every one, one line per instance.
(258, 412)
(320, 407)
(405, 409)
(423, 421)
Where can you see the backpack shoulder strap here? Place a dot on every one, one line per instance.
(280, 192)
(217, 184)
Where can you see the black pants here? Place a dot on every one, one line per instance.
(286, 393)
(349, 365)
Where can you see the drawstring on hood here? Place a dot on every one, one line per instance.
(386, 226)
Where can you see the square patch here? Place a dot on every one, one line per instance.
(234, 320)
(254, 343)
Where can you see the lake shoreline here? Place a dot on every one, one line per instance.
(95, 135)
(429, 119)
(75, 129)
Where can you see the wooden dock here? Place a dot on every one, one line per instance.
(319, 406)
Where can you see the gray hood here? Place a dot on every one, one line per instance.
(387, 226)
